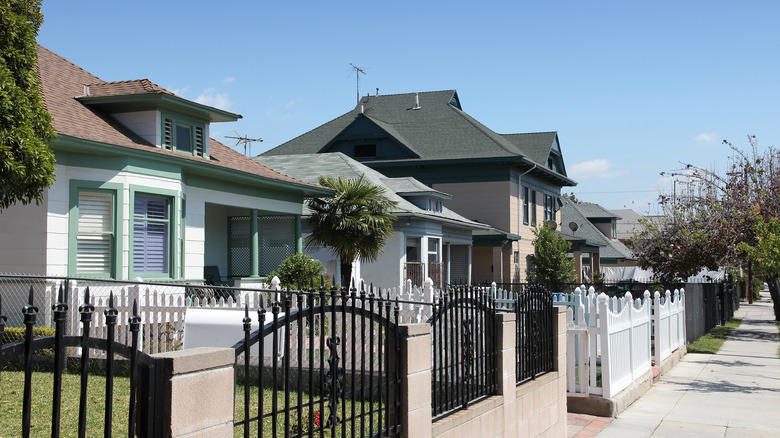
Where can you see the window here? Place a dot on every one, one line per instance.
(183, 137)
(549, 208)
(533, 207)
(525, 205)
(434, 205)
(151, 234)
(365, 150)
(614, 229)
(96, 234)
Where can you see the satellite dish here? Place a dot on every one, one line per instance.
(573, 226)
(552, 224)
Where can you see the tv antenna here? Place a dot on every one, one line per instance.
(245, 140)
(358, 71)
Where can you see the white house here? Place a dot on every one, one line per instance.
(142, 191)
(428, 239)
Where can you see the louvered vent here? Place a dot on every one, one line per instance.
(168, 135)
(199, 141)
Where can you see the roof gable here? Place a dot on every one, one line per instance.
(77, 123)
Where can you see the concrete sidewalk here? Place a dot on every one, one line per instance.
(735, 393)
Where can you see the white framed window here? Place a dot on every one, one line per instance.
(95, 239)
(525, 205)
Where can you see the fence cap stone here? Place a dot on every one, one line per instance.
(196, 359)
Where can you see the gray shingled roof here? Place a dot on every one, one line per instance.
(608, 248)
(457, 136)
(595, 211)
(309, 168)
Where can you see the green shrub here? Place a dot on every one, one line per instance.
(16, 334)
(299, 269)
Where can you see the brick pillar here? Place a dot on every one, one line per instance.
(507, 366)
(197, 392)
(416, 417)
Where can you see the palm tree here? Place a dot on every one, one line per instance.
(355, 223)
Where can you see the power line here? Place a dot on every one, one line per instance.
(619, 191)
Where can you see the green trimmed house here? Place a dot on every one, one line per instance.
(428, 240)
(141, 190)
(592, 231)
(510, 181)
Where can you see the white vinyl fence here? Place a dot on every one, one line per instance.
(617, 334)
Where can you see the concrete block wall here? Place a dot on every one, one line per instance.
(199, 389)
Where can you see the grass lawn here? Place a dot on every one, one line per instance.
(12, 393)
(712, 341)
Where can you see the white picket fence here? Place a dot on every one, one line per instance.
(616, 333)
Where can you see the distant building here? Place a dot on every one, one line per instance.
(592, 231)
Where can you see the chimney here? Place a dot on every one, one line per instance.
(86, 90)
(377, 91)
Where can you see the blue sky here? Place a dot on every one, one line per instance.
(632, 88)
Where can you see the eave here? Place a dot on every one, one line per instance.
(142, 102)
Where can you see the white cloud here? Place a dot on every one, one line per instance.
(292, 103)
(228, 80)
(212, 97)
(598, 168)
(711, 137)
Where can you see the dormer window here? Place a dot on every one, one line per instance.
(434, 205)
(183, 137)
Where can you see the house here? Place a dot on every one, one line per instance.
(592, 231)
(511, 182)
(142, 191)
(630, 223)
(428, 240)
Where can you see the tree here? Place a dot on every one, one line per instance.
(26, 162)
(355, 223)
(765, 254)
(712, 218)
(549, 261)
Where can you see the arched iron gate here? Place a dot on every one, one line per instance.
(332, 367)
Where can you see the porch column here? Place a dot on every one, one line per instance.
(298, 234)
(578, 265)
(254, 252)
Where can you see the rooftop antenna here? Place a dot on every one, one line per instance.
(358, 70)
(245, 140)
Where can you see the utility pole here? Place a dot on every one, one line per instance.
(358, 71)
(245, 140)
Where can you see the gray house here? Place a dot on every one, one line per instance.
(592, 231)
(509, 181)
(429, 240)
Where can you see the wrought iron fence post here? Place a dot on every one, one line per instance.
(60, 315)
(30, 313)
(247, 328)
(111, 315)
(85, 310)
(135, 325)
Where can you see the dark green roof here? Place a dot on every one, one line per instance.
(435, 131)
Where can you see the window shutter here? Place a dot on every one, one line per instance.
(150, 235)
(199, 141)
(95, 233)
(168, 135)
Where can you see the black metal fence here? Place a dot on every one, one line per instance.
(22, 355)
(535, 333)
(332, 368)
(463, 337)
